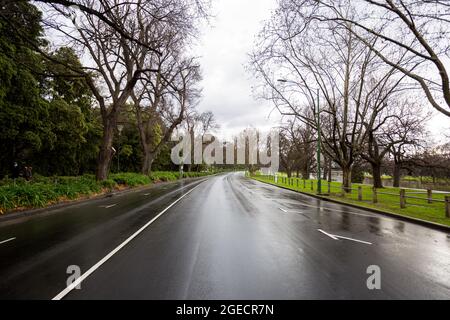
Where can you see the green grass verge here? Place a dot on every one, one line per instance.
(388, 198)
(45, 191)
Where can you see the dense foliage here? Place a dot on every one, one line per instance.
(49, 119)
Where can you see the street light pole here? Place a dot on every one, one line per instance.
(319, 143)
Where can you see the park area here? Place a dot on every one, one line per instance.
(425, 205)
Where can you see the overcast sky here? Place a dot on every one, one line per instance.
(223, 48)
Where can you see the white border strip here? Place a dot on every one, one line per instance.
(83, 277)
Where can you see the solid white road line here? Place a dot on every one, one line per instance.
(8, 240)
(67, 290)
(327, 234)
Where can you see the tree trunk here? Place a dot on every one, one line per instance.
(376, 173)
(325, 170)
(305, 172)
(289, 173)
(396, 175)
(347, 179)
(330, 170)
(149, 158)
(105, 154)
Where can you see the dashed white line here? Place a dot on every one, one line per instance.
(8, 240)
(83, 277)
(341, 211)
(285, 211)
(108, 207)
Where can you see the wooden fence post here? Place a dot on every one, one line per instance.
(374, 195)
(360, 196)
(304, 184)
(447, 207)
(430, 195)
(329, 187)
(402, 198)
(312, 185)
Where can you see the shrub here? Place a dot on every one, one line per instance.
(109, 184)
(130, 179)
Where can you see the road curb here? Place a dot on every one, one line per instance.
(425, 223)
(16, 215)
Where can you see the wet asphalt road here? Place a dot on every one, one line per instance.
(229, 238)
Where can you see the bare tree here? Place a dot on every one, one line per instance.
(416, 30)
(399, 124)
(405, 136)
(297, 148)
(301, 61)
(170, 95)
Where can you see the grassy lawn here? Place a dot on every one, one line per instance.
(45, 191)
(388, 198)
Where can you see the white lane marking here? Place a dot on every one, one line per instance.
(147, 194)
(283, 210)
(336, 237)
(8, 240)
(342, 211)
(327, 234)
(83, 277)
(108, 207)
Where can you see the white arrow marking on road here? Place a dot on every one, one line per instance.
(327, 234)
(336, 237)
(5, 241)
(356, 240)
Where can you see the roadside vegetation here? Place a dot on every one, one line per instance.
(356, 87)
(45, 191)
(417, 205)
